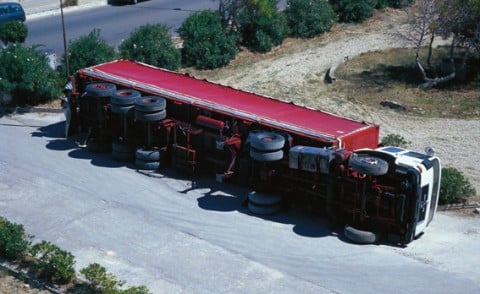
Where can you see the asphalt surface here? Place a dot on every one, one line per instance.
(176, 235)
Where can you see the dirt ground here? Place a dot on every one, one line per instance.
(295, 71)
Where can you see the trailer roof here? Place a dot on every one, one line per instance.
(245, 105)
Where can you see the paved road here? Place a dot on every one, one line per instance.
(176, 237)
(115, 22)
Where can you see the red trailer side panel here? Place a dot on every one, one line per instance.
(308, 122)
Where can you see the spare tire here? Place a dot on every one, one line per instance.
(150, 104)
(147, 155)
(266, 141)
(368, 165)
(359, 236)
(125, 97)
(264, 199)
(100, 90)
(150, 116)
(122, 109)
(266, 156)
(263, 210)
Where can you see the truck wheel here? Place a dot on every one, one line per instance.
(122, 109)
(359, 236)
(150, 104)
(264, 199)
(267, 141)
(147, 165)
(122, 156)
(120, 146)
(147, 116)
(147, 155)
(100, 89)
(94, 146)
(368, 165)
(263, 209)
(266, 156)
(125, 97)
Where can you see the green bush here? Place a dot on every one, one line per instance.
(13, 32)
(152, 44)
(104, 282)
(24, 72)
(309, 18)
(53, 263)
(14, 242)
(454, 186)
(354, 10)
(100, 279)
(395, 140)
(206, 42)
(88, 50)
(261, 31)
(393, 3)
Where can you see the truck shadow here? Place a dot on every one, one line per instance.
(231, 197)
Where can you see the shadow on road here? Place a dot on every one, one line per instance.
(225, 197)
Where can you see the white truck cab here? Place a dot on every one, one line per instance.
(429, 173)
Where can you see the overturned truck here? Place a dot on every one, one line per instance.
(283, 152)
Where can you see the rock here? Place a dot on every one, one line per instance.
(392, 105)
(477, 210)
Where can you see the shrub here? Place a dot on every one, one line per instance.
(454, 186)
(14, 242)
(53, 263)
(88, 50)
(393, 3)
(13, 32)
(309, 18)
(261, 31)
(104, 282)
(24, 72)
(206, 42)
(100, 279)
(152, 44)
(395, 140)
(354, 10)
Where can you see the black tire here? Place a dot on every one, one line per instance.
(122, 147)
(134, 2)
(147, 116)
(264, 199)
(125, 97)
(266, 156)
(122, 109)
(147, 155)
(123, 156)
(147, 165)
(267, 141)
(263, 209)
(150, 104)
(100, 90)
(98, 147)
(359, 236)
(368, 165)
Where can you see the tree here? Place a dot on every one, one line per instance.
(207, 43)
(353, 10)
(458, 20)
(24, 72)
(13, 32)
(152, 44)
(89, 50)
(309, 18)
(262, 27)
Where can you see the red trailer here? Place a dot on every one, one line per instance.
(283, 152)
